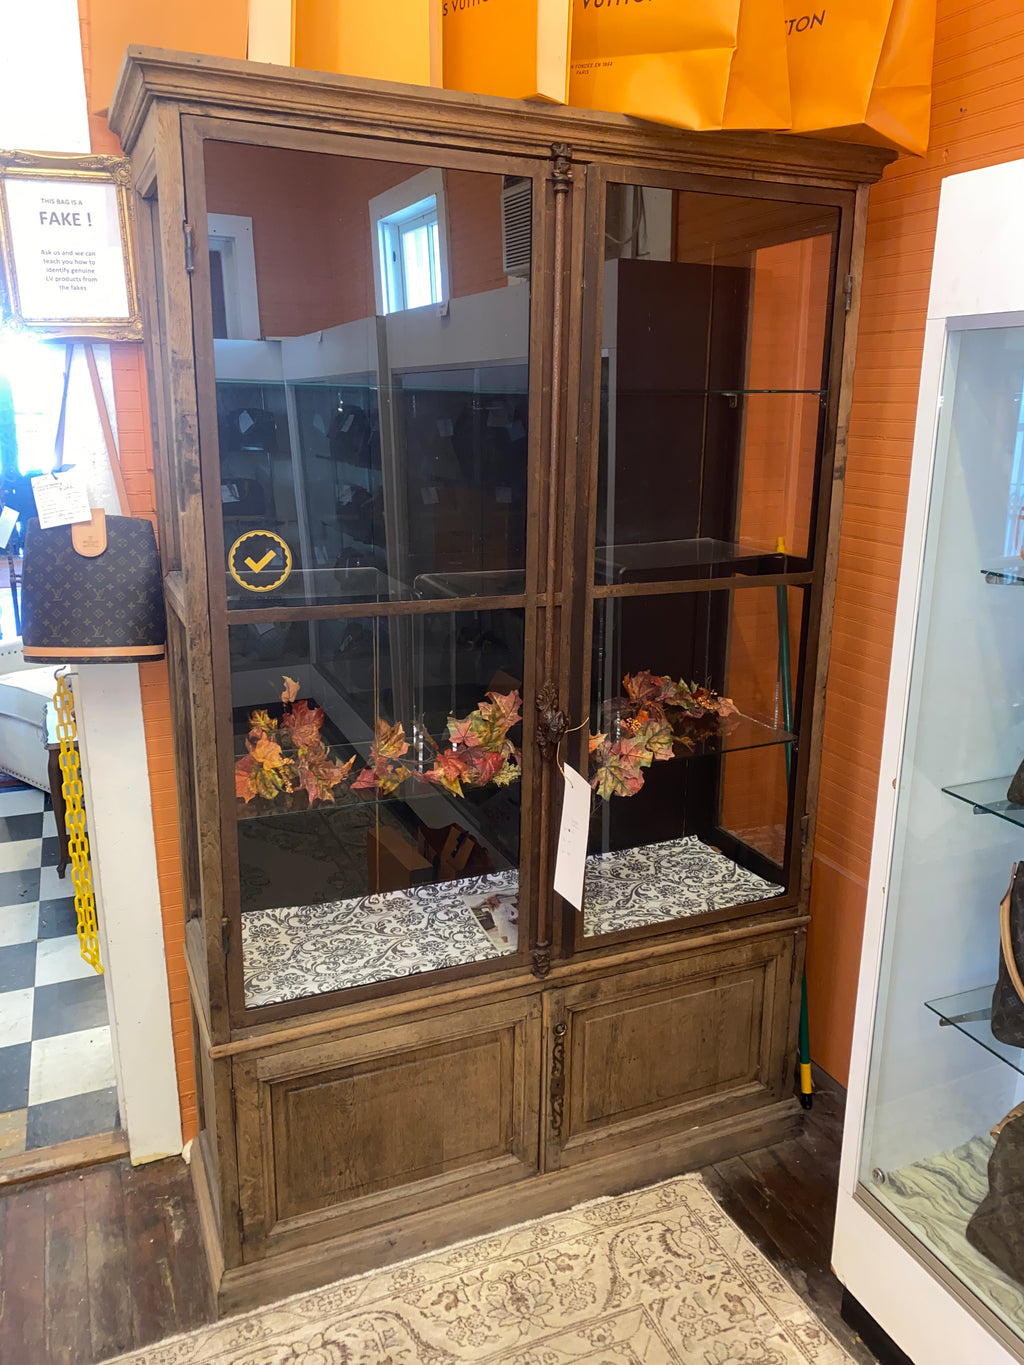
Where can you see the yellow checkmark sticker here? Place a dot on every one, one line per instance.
(257, 564)
(264, 546)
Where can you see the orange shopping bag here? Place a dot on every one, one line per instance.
(518, 48)
(758, 94)
(659, 59)
(861, 70)
(396, 41)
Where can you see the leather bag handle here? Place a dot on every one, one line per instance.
(1005, 939)
(108, 432)
(58, 444)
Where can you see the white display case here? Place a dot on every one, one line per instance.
(928, 1079)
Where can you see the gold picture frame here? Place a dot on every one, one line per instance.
(67, 228)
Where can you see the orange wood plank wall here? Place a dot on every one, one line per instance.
(977, 120)
(107, 27)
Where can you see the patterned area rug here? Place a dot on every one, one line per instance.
(305, 950)
(657, 1277)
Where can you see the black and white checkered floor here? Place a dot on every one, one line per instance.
(56, 1065)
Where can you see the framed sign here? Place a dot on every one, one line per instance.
(66, 249)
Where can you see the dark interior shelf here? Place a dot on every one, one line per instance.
(988, 798)
(703, 556)
(971, 1013)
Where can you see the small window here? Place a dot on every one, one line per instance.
(410, 254)
(410, 245)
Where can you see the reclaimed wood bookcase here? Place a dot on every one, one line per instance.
(489, 437)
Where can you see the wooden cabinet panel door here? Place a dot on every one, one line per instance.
(379, 1125)
(648, 1053)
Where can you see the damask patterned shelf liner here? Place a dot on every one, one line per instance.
(934, 1198)
(305, 950)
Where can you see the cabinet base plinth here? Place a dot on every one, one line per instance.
(275, 1277)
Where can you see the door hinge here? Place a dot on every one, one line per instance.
(805, 824)
(190, 246)
(848, 293)
(241, 1222)
(225, 935)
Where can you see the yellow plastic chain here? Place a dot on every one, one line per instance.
(74, 819)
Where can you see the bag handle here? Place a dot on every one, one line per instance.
(108, 432)
(1005, 939)
(58, 444)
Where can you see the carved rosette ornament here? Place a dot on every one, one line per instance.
(561, 174)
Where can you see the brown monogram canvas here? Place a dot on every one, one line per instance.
(106, 609)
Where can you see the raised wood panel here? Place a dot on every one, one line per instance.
(379, 1125)
(673, 1045)
(391, 1121)
(655, 1051)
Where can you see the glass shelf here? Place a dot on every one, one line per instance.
(724, 393)
(701, 556)
(989, 798)
(745, 733)
(1007, 570)
(314, 587)
(970, 1012)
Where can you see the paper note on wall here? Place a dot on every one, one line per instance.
(570, 862)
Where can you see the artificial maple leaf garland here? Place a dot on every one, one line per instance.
(289, 755)
(653, 717)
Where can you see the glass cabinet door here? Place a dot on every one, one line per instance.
(946, 1071)
(713, 333)
(367, 447)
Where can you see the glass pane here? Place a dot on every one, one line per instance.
(377, 766)
(366, 454)
(940, 1077)
(416, 254)
(691, 752)
(714, 337)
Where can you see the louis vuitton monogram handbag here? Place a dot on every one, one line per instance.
(92, 592)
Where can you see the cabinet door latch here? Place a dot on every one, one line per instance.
(552, 721)
(556, 1089)
(190, 247)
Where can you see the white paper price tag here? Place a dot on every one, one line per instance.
(60, 499)
(572, 838)
(8, 521)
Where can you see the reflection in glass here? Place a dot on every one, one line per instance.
(377, 771)
(714, 333)
(375, 415)
(692, 753)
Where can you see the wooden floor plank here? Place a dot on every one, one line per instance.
(149, 1266)
(67, 1287)
(106, 1257)
(110, 1257)
(23, 1296)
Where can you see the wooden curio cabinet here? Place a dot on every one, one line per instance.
(490, 437)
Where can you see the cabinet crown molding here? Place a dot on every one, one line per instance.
(316, 99)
